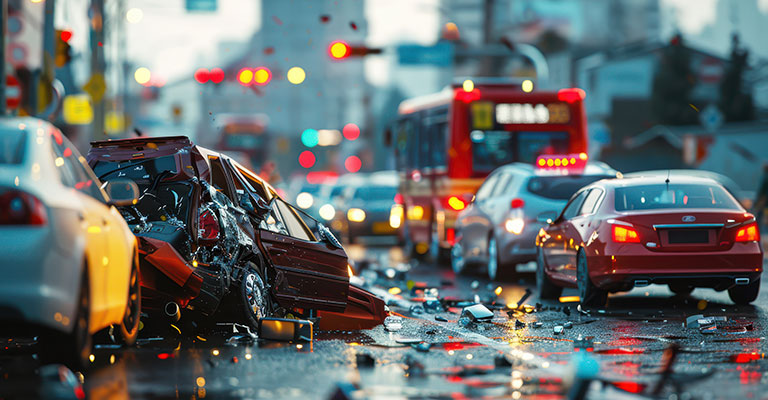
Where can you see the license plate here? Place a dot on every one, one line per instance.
(382, 227)
(688, 236)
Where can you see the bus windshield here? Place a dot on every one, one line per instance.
(494, 148)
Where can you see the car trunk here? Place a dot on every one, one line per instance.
(689, 230)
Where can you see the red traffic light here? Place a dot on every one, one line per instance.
(307, 159)
(339, 50)
(203, 75)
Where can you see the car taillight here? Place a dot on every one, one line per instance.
(208, 225)
(455, 203)
(623, 234)
(399, 199)
(748, 233)
(20, 208)
(517, 203)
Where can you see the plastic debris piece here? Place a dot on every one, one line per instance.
(692, 321)
(417, 309)
(423, 347)
(537, 325)
(568, 325)
(364, 360)
(441, 319)
(558, 329)
(519, 324)
(477, 313)
(525, 297)
(407, 340)
(708, 330)
(393, 323)
(286, 329)
(432, 305)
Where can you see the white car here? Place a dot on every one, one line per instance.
(69, 261)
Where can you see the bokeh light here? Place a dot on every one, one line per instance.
(468, 85)
(296, 75)
(262, 76)
(351, 131)
(527, 86)
(310, 138)
(142, 75)
(134, 15)
(353, 164)
(245, 76)
(307, 159)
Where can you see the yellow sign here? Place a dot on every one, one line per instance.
(482, 115)
(114, 122)
(96, 86)
(77, 109)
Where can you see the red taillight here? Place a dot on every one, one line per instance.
(571, 95)
(517, 203)
(455, 203)
(208, 225)
(19, 208)
(748, 233)
(450, 236)
(398, 198)
(624, 234)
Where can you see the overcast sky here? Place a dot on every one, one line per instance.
(172, 42)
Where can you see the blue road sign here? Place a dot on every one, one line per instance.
(440, 54)
(201, 5)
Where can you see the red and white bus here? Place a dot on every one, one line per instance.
(446, 144)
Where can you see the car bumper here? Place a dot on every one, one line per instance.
(40, 282)
(627, 267)
(517, 249)
(374, 225)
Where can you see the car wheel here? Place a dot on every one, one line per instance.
(457, 259)
(681, 290)
(743, 295)
(254, 298)
(129, 329)
(73, 349)
(547, 289)
(589, 294)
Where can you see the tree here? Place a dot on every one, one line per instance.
(672, 85)
(735, 102)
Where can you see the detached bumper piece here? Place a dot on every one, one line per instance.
(364, 311)
(286, 330)
(168, 273)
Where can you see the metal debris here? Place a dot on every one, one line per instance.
(393, 323)
(477, 313)
(558, 330)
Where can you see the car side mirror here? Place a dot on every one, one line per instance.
(122, 192)
(547, 217)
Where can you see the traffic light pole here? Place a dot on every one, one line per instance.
(97, 64)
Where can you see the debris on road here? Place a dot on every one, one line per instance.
(283, 329)
(477, 313)
(558, 330)
(393, 323)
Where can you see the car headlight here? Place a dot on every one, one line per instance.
(304, 200)
(514, 225)
(356, 215)
(327, 212)
(396, 216)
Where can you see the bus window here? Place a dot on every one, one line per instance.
(491, 149)
(423, 145)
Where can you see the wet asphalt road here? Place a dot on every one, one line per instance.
(632, 339)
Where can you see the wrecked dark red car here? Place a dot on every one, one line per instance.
(214, 238)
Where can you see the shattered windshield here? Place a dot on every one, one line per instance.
(136, 170)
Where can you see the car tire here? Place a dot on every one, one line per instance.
(129, 328)
(681, 290)
(458, 263)
(73, 349)
(589, 294)
(743, 295)
(547, 290)
(253, 297)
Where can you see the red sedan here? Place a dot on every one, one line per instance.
(618, 234)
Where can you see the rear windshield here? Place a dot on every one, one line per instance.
(376, 193)
(561, 187)
(657, 196)
(12, 146)
(136, 170)
(491, 149)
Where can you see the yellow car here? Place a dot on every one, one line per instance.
(70, 263)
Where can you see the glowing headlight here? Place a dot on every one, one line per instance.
(327, 212)
(356, 215)
(396, 216)
(514, 225)
(304, 200)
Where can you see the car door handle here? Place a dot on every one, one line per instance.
(278, 251)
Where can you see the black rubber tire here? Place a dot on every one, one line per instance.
(253, 298)
(129, 328)
(589, 294)
(547, 290)
(743, 295)
(73, 349)
(681, 290)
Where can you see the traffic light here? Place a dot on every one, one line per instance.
(262, 76)
(63, 50)
(307, 159)
(310, 138)
(353, 164)
(339, 50)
